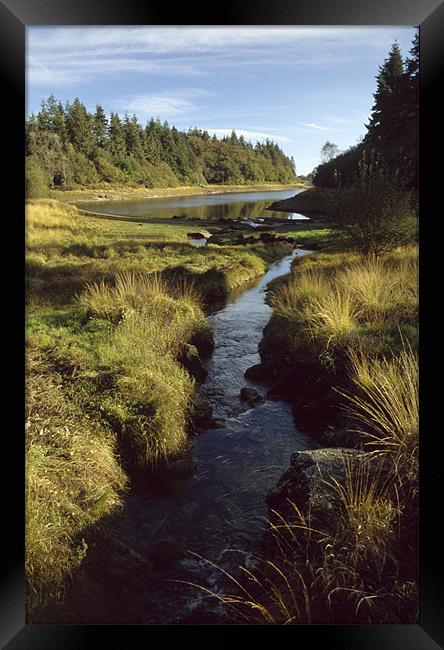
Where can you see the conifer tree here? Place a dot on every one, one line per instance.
(100, 127)
(117, 144)
(133, 137)
(384, 120)
(79, 124)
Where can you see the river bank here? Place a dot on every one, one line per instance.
(341, 348)
(315, 202)
(114, 365)
(125, 192)
(122, 357)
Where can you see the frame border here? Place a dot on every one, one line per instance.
(15, 16)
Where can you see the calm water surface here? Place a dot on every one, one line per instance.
(237, 205)
(222, 506)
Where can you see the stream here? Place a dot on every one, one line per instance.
(222, 505)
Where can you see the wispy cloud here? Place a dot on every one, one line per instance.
(70, 55)
(339, 120)
(162, 40)
(249, 135)
(318, 127)
(167, 104)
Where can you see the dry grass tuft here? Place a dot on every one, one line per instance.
(73, 481)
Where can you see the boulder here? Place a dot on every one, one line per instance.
(308, 484)
(259, 372)
(203, 416)
(189, 358)
(251, 396)
(203, 340)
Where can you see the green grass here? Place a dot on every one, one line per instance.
(355, 321)
(109, 304)
(336, 301)
(66, 249)
(73, 482)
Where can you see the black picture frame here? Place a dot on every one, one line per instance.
(15, 16)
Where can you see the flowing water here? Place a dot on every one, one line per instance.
(222, 505)
(211, 207)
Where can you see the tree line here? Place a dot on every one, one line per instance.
(67, 146)
(391, 141)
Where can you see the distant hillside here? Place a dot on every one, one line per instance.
(66, 146)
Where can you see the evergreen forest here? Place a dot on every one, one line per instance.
(67, 147)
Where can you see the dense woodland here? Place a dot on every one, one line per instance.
(67, 146)
(391, 141)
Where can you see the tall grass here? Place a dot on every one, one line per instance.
(361, 567)
(386, 406)
(348, 302)
(153, 397)
(73, 481)
(348, 572)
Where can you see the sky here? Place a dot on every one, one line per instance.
(299, 86)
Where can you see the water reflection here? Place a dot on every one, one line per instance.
(239, 205)
(198, 242)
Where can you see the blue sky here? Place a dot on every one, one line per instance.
(298, 86)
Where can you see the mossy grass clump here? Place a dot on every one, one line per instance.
(73, 483)
(334, 302)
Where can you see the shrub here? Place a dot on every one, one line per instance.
(36, 180)
(376, 214)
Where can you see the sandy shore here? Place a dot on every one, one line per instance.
(121, 193)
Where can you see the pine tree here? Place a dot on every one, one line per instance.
(384, 120)
(117, 144)
(79, 126)
(151, 142)
(133, 137)
(100, 127)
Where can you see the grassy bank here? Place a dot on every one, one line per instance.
(342, 343)
(313, 200)
(118, 192)
(73, 482)
(66, 249)
(111, 306)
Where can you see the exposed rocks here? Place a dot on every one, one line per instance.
(196, 235)
(267, 237)
(308, 484)
(204, 342)
(251, 396)
(259, 372)
(203, 415)
(189, 358)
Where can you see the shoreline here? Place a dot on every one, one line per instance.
(116, 193)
